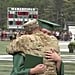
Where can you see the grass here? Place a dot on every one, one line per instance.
(67, 53)
(3, 45)
(69, 69)
(5, 67)
(69, 66)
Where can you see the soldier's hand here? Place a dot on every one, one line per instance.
(40, 68)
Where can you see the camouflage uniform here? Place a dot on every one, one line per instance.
(36, 44)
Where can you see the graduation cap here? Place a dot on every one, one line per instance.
(47, 24)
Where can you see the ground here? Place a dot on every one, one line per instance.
(6, 66)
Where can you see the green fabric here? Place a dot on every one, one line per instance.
(32, 61)
(18, 65)
(48, 22)
(48, 25)
(61, 72)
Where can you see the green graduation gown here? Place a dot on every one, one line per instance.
(19, 66)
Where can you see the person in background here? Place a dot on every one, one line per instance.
(35, 42)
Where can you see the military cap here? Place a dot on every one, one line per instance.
(31, 23)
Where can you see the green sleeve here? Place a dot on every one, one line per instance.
(61, 72)
(18, 65)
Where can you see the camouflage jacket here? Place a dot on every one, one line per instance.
(36, 44)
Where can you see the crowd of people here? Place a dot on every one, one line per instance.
(63, 35)
(12, 34)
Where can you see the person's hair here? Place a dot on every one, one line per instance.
(30, 26)
(30, 30)
(44, 30)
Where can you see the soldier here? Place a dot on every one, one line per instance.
(38, 44)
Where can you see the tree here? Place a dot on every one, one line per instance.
(69, 10)
(53, 10)
(58, 6)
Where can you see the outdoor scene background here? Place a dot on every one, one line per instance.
(57, 11)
